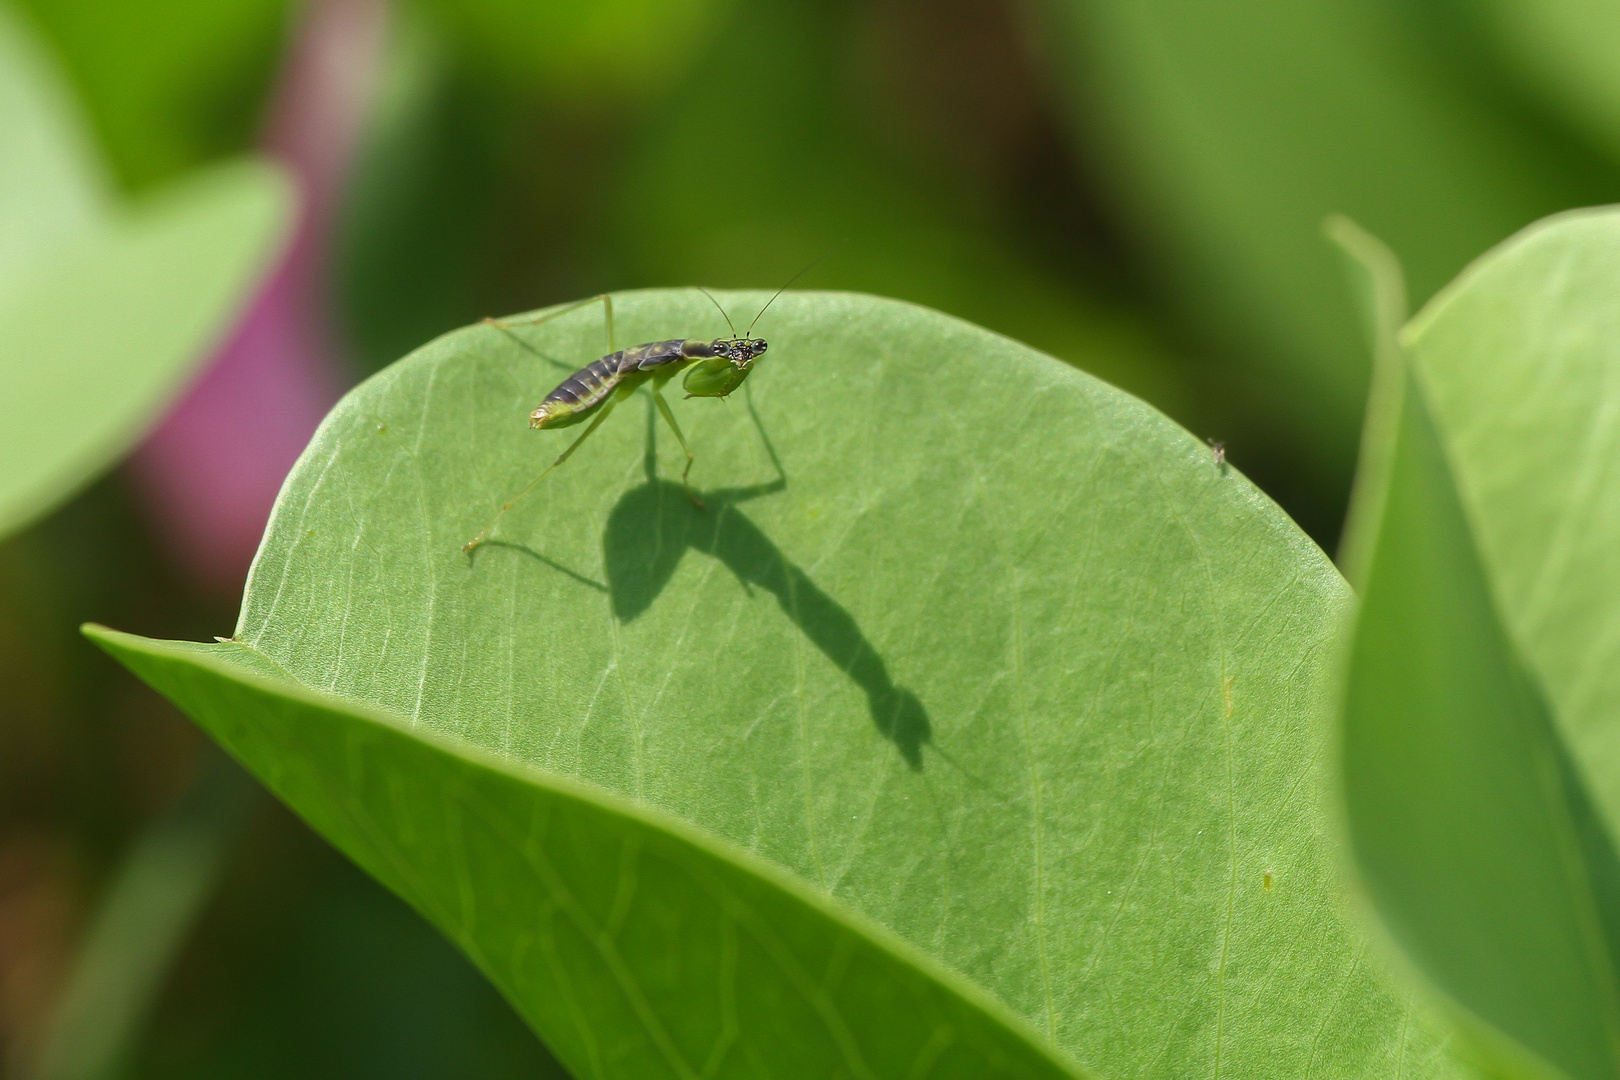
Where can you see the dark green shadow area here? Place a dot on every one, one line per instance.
(654, 525)
(588, 582)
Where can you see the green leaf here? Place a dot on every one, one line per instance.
(106, 334)
(51, 190)
(663, 953)
(999, 660)
(103, 312)
(1482, 807)
(1469, 826)
(1521, 359)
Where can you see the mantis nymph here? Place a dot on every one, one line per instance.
(714, 368)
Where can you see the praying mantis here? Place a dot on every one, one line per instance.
(714, 368)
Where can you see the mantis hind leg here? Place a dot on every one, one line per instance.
(595, 423)
(605, 300)
(669, 418)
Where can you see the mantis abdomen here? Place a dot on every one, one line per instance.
(581, 393)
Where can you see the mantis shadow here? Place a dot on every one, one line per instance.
(547, 561)
(653, 526)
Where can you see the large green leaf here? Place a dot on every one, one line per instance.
(1521, 358)
(655, 953)
(103, 312)
(1471, 830)
(999, 660)
(1486, 533)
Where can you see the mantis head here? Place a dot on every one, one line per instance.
(741, 351)
(720, 374)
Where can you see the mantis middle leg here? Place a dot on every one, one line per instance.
(596, 422)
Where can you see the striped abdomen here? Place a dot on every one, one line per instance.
(578, 395)
(580, 392)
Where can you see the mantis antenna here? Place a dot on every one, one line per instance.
(722, 310)
(808, 266)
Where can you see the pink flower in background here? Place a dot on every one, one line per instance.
(211, 470)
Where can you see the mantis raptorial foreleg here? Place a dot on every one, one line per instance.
(596, 422)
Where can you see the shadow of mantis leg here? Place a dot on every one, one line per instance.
(764, 437)
(595, 423)
(669, 418)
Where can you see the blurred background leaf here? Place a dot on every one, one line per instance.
(101, 335)
(1563, 51)
(611, 49)
(1471, 830)
(1480, 773)
(103, 311)
(52, 186)
(168, 84)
